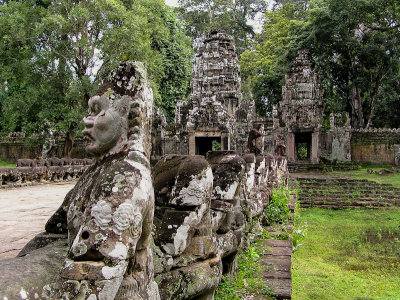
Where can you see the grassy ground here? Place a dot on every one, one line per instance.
(4, 164)
(393, 179)
(347, 254)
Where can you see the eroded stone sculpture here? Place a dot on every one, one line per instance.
(254, 134)
(109, 213)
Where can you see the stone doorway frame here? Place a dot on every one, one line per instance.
(314, 155)
(225, 140)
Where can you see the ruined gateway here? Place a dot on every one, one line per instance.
(128, 232)
(217, 112)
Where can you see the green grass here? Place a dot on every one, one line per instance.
(347, 254)
(4, 164)
(393, 179)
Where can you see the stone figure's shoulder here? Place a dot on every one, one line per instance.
(115, 177)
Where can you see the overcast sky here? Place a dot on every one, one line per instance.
(171, 2)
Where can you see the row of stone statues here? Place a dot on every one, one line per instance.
(201, 209)
(53, 161)
(43, 170)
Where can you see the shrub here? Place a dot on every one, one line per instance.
(277, 211)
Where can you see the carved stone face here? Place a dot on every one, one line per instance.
(102, 127)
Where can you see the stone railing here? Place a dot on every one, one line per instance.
(41, 170)
(375, 130)
(204, 208)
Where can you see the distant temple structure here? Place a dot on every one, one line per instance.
(218, 118)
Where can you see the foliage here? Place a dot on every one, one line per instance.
(355, 46)
(265, 64)
(174, 72)
(4, 164)
(302, 152)
(54, 55)
(248, 280)
(201, 17)
(277, 210)
(347, 254)
(216, 145)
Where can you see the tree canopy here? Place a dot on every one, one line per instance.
(354, 45)
(54, 54)
(200, 17)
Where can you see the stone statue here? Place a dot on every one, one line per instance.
(109, 213)
(280, 149)
(253, 136)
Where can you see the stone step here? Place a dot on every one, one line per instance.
(278, 251)
(350, 197)
(346, 203)
(355, 201)
(278, 275)
(282, 287)
(277, 263)
(338, 207)
(331, 186)
(350, 185)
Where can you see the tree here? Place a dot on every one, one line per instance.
(264, 66)
(53, 57)
(355, 45)
(175, 69)
(201, 17)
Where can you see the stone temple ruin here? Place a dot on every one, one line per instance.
(217, 117)
(131, 231)
(128, 232)
(216, 112)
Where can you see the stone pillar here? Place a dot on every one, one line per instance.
(314, 148)
(192, 144)
(291, 147)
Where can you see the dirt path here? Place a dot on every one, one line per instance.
(24, 212)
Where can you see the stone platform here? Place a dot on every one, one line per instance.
(24, 212)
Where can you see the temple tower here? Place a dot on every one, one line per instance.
(302, 110)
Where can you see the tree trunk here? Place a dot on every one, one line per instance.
(357, 118)
(69, 143)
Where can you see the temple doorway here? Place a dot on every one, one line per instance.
(205, 144)
(303, 142)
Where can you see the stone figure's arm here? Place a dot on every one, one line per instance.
(58, 221)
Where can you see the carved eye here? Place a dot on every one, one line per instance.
(85, 235)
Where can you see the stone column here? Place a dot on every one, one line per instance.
(192, 143)
(314, 148)
(291, 147)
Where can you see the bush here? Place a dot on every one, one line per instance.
(277, 211)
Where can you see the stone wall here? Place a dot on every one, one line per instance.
(375, 145)
(12, 149)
